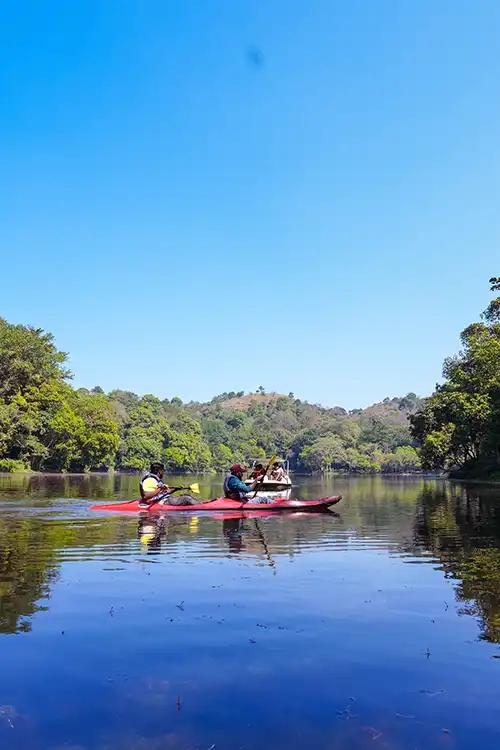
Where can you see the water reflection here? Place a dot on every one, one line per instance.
(461, 525)
(151, 530)
(233, 531)
(183, 629)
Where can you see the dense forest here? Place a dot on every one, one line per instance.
(458, 427)
(47, 425)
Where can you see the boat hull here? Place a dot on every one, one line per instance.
(224, 504)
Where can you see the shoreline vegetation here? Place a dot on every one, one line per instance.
(212, 473)
(458, 426)
(340, 474)
(46, 425)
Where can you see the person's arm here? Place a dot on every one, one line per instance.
(151, 491)
(240, 486)
(252, 487)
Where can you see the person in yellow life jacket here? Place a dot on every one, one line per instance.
(152, 487)
(153, 490)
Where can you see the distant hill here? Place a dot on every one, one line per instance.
(312, 437)
(395, 410)
(242, 403)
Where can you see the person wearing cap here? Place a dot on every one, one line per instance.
(234, 486)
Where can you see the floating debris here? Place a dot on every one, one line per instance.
(8, 713)
(375, 734)
(431, 693)
(346, 712)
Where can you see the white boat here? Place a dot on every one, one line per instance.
(286, 494)
(270, 485)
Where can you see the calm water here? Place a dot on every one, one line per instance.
(374, 627)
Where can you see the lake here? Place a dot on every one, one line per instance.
(377, 626)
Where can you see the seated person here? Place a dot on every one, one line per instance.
(236, 489)
(153, 490)
(278, 473)
(258, 472)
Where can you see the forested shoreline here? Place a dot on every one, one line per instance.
(48, 425)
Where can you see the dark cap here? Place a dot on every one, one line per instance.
(237, 469)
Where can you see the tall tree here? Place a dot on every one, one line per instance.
(28, 358)
(459, 424)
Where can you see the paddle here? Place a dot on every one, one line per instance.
(264, 544)
(193, 487)
(259, 484)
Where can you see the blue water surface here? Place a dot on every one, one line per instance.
(373, 627)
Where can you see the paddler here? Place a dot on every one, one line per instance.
(152, 486)
(234, 486)
(258, 472)
(154, 490)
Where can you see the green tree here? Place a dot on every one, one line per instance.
(384, 433)
(140, 447)
(356, 461)
(28, 358)
(186, 452)
(222, 457)
(459, 424)
(324, 454)
(185, 449)
(405, 459)
(100, 438)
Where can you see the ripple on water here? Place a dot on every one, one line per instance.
(374, 626)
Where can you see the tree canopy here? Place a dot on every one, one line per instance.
(459, 425)
(47, 425)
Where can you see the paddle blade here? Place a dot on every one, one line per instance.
(195, 488)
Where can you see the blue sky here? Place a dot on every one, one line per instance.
(210, 196)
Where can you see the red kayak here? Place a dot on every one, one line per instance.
(225, 504)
